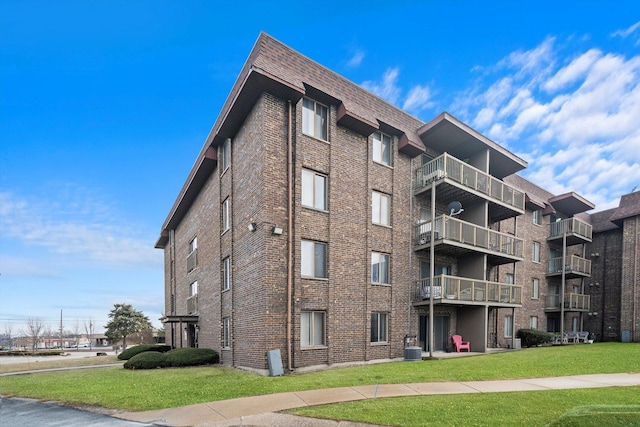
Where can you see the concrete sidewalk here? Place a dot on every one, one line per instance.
(261, 410)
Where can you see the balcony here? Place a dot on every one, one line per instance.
(575, 267)
(455, 237)
(572, 302)
(459, 290)
(576, 231)
(469, 185)
(192, 261)
(192, 304)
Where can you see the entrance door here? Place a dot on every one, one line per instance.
(440, 332)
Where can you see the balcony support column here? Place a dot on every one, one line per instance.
(432, 259)
(564, 268)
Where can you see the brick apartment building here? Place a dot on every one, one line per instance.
(314, 212)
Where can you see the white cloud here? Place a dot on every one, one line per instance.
(634, 29)
(419, 99)
(575, 120)
(77, 226)
(356, 59)
(388, 88)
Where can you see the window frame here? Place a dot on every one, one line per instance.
(193, 288)
(537, 217)
(508, 326)
(312, 129)
(226, 332)
(377, 270)
(225, 155)
(226, 215)
(378, 148)
(309, 339)
(377, 334)
(535, 252)
(314, 267)
(226, 273)
(533, 322)
(535, 288)
(314, 187)
(381, 209)
(192, 254)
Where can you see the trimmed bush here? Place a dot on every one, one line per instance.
(175, 358)
(534, 337)
(147, 360)
(137, 349)
(192, 357)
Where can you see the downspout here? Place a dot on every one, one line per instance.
(410, 247)
(635, 284)
(290, 237)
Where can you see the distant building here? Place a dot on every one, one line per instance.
(308, 221)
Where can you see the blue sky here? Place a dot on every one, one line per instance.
(105, 105)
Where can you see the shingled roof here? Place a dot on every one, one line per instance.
(629, 207)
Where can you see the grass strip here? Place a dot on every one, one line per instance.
(532, 408)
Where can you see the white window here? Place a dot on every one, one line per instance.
(535, 252)
(379, 268)
(533, 322)
(508, 326)
(226, 274)
(193, 289)
(314, 119)
(226, 332)
(225, 155)
(380, 208)
(537, 217)
(382, 148)
(313, 257)
(226, 222)
(192, 257)
(312, 328)
(510, 279)
(378, 327)
(535, 288)
(314, 190)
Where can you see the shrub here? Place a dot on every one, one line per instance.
(137, 349)
(191, 357)
(534, 337)
(147, 360)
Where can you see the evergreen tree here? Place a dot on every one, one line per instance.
(125, 320)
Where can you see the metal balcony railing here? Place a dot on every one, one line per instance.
(470, 177)
(192, 304)
(572, 301)
(446, 227)
(570, 226)
(192, 261)
(575, 264)
(463, 289)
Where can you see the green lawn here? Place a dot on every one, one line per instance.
(615, 406)
(119, 388)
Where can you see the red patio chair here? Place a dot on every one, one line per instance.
(458, 344)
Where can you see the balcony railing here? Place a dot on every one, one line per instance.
(192, 304)
(462, 289)
(460, 231)
(192, 261)
(572, 301)
(470, 177)
(570, 226)
(575, 264)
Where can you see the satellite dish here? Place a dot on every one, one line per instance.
(454, 208)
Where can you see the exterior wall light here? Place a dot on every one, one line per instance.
(253, 227)
(277, 231)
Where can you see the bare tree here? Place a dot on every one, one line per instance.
(8, 333)
(35, 328)
(89, 330)
(48, 334)
(76, 332)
